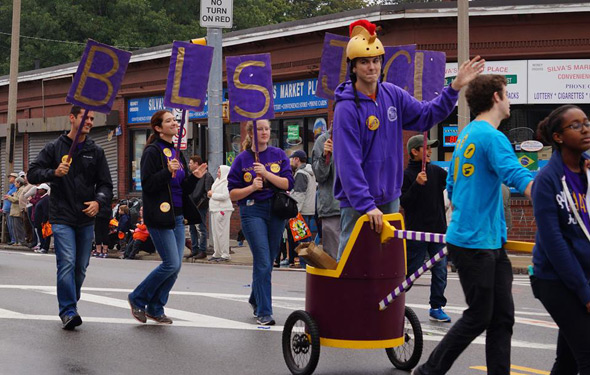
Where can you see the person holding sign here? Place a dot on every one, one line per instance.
(561, 257)
(166, 184)
(249, 183)
(79, 188)
(369, 116)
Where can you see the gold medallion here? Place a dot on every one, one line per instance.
(64, 159)
(275, 168)
(469, 151)
(247, 177)
(372, 122)
(165, 207)
(167, 152)
(468, 169)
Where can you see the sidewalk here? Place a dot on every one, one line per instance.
(243, 257)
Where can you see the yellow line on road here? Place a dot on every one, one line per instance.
(528, 369)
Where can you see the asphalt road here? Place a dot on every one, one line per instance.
(214, 331)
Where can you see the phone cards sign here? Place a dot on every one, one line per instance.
(559, 81)
(217, 13)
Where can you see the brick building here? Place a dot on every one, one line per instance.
(523, 39)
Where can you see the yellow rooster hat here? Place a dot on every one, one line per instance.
(363, 41)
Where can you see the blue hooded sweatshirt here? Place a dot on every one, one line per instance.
(368, 141)
(562, 251)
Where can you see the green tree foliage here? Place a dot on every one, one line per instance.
(132, 24)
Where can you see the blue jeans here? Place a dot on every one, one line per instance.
(10, 226)
(349, 217)
(417, 251)
(263, 231)
(72, 254)
(199, 234)
(152, 293)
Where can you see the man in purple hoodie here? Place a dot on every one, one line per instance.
(368, 120)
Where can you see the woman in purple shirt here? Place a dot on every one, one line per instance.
(166, 183)
(249, 184)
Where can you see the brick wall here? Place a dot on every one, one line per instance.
(524, 226)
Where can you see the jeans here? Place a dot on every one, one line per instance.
(10, 226)
(199, 234)
(417, 251)
(573, 320)
(263, 231)
(152, 293)
(349, 217)
(486, 279)
(72, 254)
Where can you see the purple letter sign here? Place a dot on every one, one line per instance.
(333, 67)
(188, 76)
(98, 77)
(249, 84)
(429, 71)
(398, 67)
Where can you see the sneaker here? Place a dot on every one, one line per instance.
(43, 251)
(138, 313)
(38, 250)
(70, 321)
(240, 243)
(265, 320)
(222, 259)
(161, 319)
(438, 315)
(201, 255)
(104, 255)
(284, 263)
(214, 259)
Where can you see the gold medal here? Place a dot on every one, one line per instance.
(372, 122)
(247, 177)
(165, 207)
(275, 168)
(167, 152)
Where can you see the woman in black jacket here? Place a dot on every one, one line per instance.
(166, 184)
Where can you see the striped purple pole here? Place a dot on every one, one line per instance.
(415, 236)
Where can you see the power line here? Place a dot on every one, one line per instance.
(64, 41)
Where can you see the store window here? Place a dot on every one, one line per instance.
(293, 133)
(315, 127)
(138, 141)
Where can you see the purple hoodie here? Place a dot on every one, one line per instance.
(369, 163)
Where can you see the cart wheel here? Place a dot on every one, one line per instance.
(407, 356)
(301, 343)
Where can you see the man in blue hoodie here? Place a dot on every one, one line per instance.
(369, 116)
(483, 159)
(6, 204)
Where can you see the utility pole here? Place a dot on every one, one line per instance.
(12, 95)
(463, 116)
(12, 87)
(215, 100)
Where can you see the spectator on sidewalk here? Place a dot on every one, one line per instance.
(328, 207)
(6, 205)
(16, 212)
(424, 208)
(198, 232)
(140, 240)
(101, 232)
(41, 216)
(561, 257)
(304, 192)
(23, 202)
(79, 187)
(261, 226)
(483, 159)
(221, 209)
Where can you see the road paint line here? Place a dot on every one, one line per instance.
(484, 368)
(6, 314)
(534, 371)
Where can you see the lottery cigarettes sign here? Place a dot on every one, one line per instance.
(559, 81)
(514, 71)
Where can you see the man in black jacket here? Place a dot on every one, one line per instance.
(78, 190)
(199, 196)
(424, 207)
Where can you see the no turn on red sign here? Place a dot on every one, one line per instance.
(216, 13)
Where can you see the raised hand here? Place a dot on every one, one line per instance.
(467, 72)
